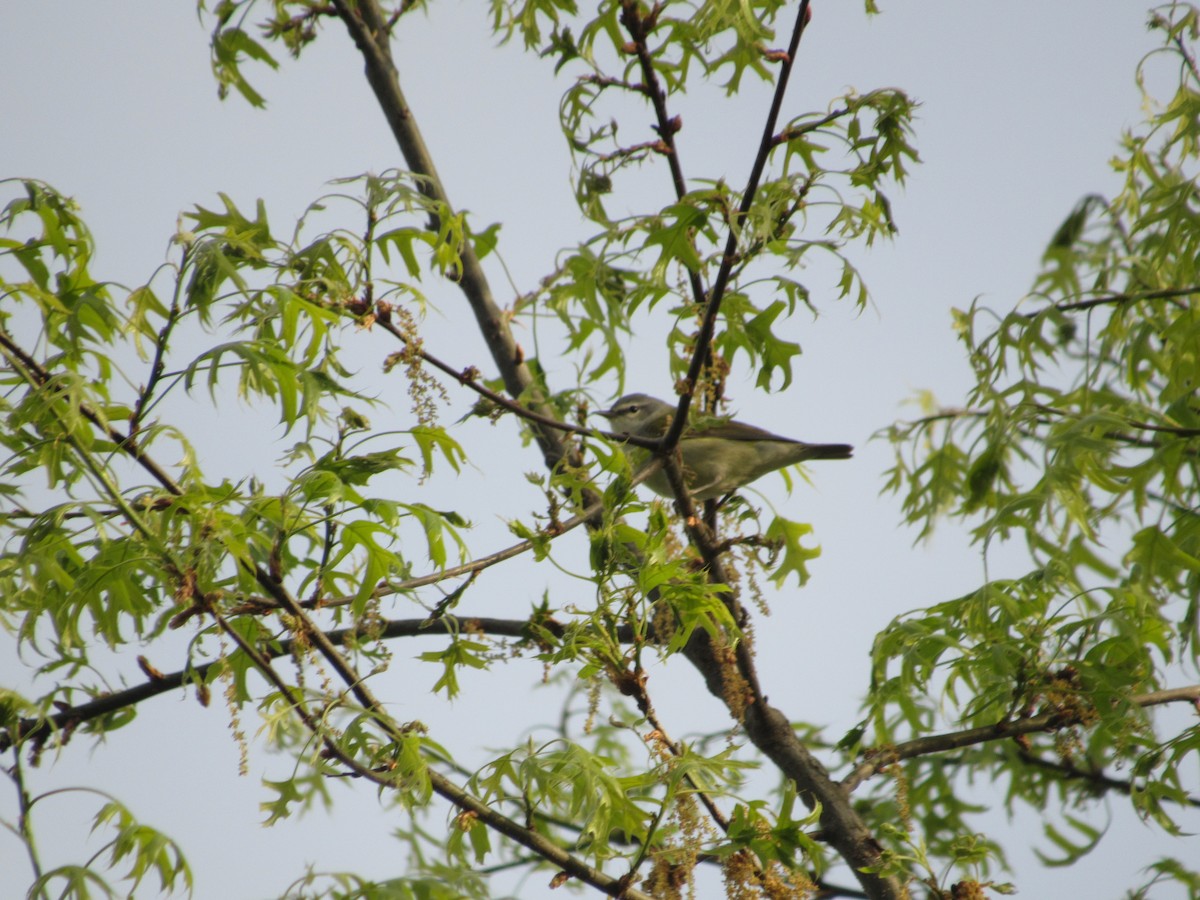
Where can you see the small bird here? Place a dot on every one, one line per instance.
(718, 458)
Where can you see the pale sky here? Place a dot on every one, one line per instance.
(1022, 107)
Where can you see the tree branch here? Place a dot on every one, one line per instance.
(765, 144)
(367, 26)
(35, 374)
(639, 27)
(877, 759)
(551, 532)
(69, 718)
(766, 726)
(1119, 299)
(807, 127)
(1094, 777)
(469, 378)
(443, 786)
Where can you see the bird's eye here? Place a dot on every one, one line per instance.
(633, 407)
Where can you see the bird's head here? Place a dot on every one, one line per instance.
(640, 415)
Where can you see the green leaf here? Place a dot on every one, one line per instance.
(286, 793)
(795, 555)
(430, 439)
(229, 47)
(677, 240)
(775, 353)
(460, 652)
(1072, 850)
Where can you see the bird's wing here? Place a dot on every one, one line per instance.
(737, 431)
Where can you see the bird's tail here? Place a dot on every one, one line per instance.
(829, 451)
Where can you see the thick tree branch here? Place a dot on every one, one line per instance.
(369, 29)
(766, 726)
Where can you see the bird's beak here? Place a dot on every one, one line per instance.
(607, 413)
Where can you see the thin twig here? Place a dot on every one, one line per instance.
(67, 719)
(24, 827)
(470, 378)
(36, 374)
(709, 320)
(158, 364)
(789, 134)
(552, 532)
(443, 786)
(1094, 777)
(1118, 299)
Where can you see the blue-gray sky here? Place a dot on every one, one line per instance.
(1022, 105)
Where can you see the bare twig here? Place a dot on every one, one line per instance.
(158, 364)
(807, 127)
(470, 378)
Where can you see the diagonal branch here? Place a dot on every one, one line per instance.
(551, 532)
(443, 786)
(187, 590)
(37, 375)
(729, 257)
(469, 378)
(369, 29)
(767, 727)
(790, 134)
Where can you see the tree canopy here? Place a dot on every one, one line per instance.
(134, 565)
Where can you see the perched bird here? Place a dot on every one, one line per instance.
(718, 457)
